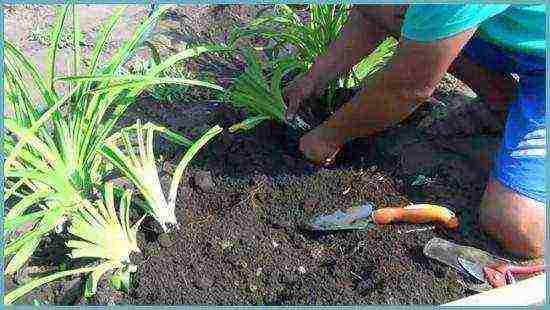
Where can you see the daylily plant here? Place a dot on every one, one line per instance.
(58, 154)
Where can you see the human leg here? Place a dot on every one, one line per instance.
(514, 204)
(513, 220)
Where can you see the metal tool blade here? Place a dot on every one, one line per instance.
(447, 252)
(354, 218)
(473, 268)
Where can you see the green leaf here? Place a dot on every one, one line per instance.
(25, 203)
(121, 281)
(309, 41)
(47, 224)
(77, 37)
(248, 123)
(90, 287)
(22, 255)
(19, 292)
(191, 152)
(16, 54)
(372, 63)
(55, 36)
(15, 222)
(140, 35)
(29, 133)
(106, 32)
(186, 54)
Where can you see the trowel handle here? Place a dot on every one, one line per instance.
(417, 214)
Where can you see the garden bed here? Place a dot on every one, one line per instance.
(240, 242)
(241, 203)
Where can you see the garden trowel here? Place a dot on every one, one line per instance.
(499, 275)
(465, 259)
(364, 216)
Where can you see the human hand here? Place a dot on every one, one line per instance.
(321, 145)
(299, 91)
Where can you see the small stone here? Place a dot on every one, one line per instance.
(204, 283)
(203, 180)
(167, 240)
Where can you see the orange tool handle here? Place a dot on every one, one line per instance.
(417, 214)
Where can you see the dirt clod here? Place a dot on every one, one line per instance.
(203, 180)
(167, 240)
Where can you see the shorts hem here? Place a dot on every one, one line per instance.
(520, 190)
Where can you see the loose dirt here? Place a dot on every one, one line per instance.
(240, 242)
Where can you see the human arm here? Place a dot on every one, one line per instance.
(433, 36)
(366, 28)
(392, 95)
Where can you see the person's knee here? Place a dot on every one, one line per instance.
(513, 220)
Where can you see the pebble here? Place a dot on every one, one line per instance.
(204, 181)
(204, 283)
(166, 240)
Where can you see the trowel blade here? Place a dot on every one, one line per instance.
(353, 218)
(473, 268)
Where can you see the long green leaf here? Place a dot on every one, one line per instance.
(105, 33)
(185, 54)
(29, 133)
(19, 292)
(249, 123)
(76, 40)
(22, 255)
(139, 36)
(13, 223)
(55, 37)
(26, 202)
(12, 51)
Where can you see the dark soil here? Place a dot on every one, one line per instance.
(240, 241)
(241, 204)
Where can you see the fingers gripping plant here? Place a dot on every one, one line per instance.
(54, 140)
(142, 170)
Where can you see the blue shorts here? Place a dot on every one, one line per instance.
(520, 161)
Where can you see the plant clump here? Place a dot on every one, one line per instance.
(61, 148)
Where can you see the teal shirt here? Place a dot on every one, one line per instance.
(514, 27)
